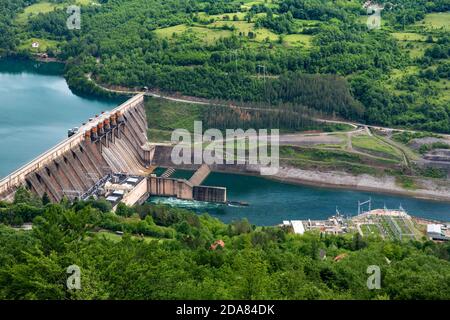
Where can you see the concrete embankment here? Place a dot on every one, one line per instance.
(427, 189)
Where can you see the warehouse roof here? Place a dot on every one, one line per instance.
(434, 228)
(298, 226)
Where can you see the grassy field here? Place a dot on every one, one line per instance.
(45, 6)
(436, 21)
(443, 86)
(40, 7)
(409, 36)
(222, 17)
(413, 42)
(298, 40)
(44, 45)
(165, 116)
(108, 235)
(212, 32)
(373, 145)
(317, 154)
(328, 159)
(204, 34)
(86, 2)
(418, 50)
(246, 27)
(247, 4)
(215, 29)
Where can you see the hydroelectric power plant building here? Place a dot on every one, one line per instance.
(113, 144)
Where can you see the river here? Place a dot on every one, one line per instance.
(271, 202)
(37, 108)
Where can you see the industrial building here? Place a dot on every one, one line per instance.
(437, 232)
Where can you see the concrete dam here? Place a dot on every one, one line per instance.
(111, 145)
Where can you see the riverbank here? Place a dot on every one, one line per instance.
(431, 189)
(342, 180)
(271, 201)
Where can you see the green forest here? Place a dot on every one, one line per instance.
(316, 54)
(166, 253)
(275, 64)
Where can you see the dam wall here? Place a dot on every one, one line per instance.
(184, 189)
(170, 187)
(115, 141)
(209, 194)
(165, 186)
(110, 146)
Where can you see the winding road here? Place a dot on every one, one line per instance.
(285, 139)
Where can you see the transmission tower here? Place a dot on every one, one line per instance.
(361, 204)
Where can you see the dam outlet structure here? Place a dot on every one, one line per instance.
(111, 149)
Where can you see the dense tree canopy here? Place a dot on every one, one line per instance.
(166, 254)
(121, 44)
(8, 32)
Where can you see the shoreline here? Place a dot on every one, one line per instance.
(409, 194)
(419, 194)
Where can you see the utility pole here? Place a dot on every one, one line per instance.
(263, 68)
(361, 204)
(235, 59)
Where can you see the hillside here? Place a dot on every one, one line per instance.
(259, 51)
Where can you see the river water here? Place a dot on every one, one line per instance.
(37, 108)
(271, 202)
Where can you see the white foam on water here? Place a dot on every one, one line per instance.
(188, 204)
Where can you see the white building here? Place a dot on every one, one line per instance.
(435, 232)
(298, 226)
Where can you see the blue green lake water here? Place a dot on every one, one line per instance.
(37, 108)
